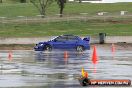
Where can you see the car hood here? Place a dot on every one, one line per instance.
(45, 42)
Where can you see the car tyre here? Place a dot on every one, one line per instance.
(80, 48)
(47, 48)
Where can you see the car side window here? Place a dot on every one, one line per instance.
(61, 38)
(72, 38)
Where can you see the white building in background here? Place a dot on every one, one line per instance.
(104, 1)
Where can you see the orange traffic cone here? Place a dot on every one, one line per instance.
(94, 57)
(10, 56)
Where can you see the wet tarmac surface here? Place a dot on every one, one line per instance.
(51, 70)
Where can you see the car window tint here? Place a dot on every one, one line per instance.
(72, 38)
(61, 38)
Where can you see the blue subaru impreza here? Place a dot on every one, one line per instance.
(64, 42)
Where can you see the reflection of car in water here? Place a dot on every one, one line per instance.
(64, 42)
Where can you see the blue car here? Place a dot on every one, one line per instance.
(64, 42)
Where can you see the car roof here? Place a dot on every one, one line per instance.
(69, 35)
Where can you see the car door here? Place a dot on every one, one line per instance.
(72, 42)
(60, 42)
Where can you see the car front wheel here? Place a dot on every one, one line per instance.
(48, 48)
(80, 48)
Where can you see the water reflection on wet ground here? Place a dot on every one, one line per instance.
(52, 70)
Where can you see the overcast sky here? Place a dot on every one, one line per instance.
(112, 1)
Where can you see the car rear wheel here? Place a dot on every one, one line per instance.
(48, 48)
(80, 48)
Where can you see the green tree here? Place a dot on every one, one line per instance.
(41, 5)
